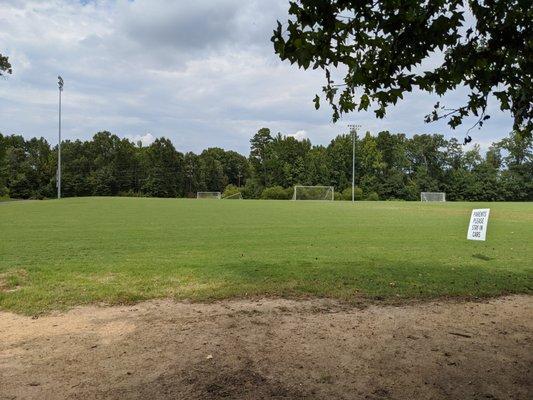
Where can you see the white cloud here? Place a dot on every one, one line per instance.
(300, 135)
(202, 73)
(146, 139)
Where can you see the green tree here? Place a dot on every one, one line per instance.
(519, 148)
(76, 168)
(213, 169)
(192, 174)
(3, 167)
(287, 160)
(42, 168)
(380, 45)
(339, 158)
(316, 169)
(236, 168)
(453, 155)
(494, 157)
(372, 164)
(518, 179)
(17, 170)
(473, 158)
(164, 167)
(26, 168)
(426, 161)
(112, 164)
(260, 155)
(388, 166)
(394, 164)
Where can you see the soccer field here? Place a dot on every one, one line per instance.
(57, 254)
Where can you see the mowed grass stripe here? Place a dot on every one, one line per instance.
(57, 254)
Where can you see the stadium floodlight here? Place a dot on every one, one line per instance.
(234, 196)
(432, 196)
(209, 195)
(353, 131)
(313, 193)
(60, 85)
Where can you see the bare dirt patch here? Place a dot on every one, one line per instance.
(12, 280)
(272, 349)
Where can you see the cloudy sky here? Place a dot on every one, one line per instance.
(202, 73)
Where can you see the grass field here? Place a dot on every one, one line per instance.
(57, 254)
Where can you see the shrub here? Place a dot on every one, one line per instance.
(276, 193)
(252, 189)
(130, 193)
(372, 197)
(347, 193)
(230, 190)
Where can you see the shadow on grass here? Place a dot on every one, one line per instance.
(343, 281)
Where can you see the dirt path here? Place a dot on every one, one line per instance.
(272, 349)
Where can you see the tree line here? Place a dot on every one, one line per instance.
(387, 166)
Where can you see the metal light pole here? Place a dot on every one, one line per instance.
(60, 84)
(353, 131)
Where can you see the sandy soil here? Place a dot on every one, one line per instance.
(272, 349)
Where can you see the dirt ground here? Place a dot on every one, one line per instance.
(272, 349)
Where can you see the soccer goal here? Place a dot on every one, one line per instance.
(432, 196)
(234, 196)
(313, 193)
(208, 195)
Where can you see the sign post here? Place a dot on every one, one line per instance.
(479, 220)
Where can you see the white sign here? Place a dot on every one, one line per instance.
(479, 220)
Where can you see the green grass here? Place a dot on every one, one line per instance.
(57, 254)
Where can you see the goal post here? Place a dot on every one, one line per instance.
(432, 196)
(208, 195)
(313, 193)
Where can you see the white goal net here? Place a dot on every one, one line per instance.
(208, 195)
(313, 193)
(432, 196)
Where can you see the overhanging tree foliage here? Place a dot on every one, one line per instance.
(5, 66)
(381, 45)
